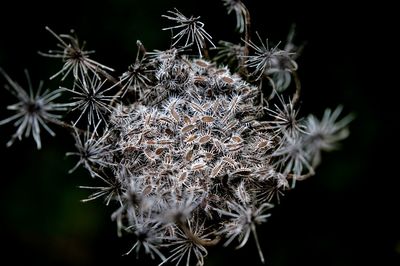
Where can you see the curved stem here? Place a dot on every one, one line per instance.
(246, 29)
(296, 95)
(65, 125)
(260, 253)
(300, 177)
(107, 76)
(242, 65)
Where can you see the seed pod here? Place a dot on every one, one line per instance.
(217, 145)
(169, 132)
(228, 80)
(189, 155)
(147, 190)
(263, 144)
(233, 147)
(201, 63)
(187, 128)
(204, 139)
(230, 161)
(221, 71)
(207, 119)
(174, 113)
(199, 166)
(187, 120)
(208, 156)
(242, 172)
(159, 151)
(216, 169)
(165, 142)
(191, 138)
(200, 79)
(237, 139)
(183, 176)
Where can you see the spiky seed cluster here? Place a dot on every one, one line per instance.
(33, 110)
(200, 164)
(201, 156)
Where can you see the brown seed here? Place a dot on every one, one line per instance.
(187, 120)
(147, 119)
(245, 90)
(191, 138)
(220, 71)
(165, 142)
(159, 151)
(229, 160)
(237, 139)
(187, 128)
(189, 155)
(209, 93)
(201, 63)
(207, 119)
(200, 78)
(208, 156)
(243, 172)
(130, 149)
(262, 144)
(147, 190)
(183, 176)
(234, 147)
(204, 139)
(216, 169)
(227, 80)
(174, 113)
(169, 132)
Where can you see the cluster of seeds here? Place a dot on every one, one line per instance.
(192, 154)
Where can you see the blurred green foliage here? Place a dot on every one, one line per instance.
(345, 215)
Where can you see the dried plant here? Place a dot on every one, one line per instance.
(192, 153)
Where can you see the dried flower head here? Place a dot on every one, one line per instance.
(201, 155)
(33, 110)
(90, 99)
(264, 58)
(190, 28)
(240, 12)
(75, 58)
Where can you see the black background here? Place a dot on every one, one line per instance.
(345, 215)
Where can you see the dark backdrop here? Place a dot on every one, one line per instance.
(345, 215)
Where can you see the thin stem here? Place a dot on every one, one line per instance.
(246, 29)
(296, 95)
(260, 253)
(65, 125)
(107, 75)
(242, 64)
(204, 49)
(300, 177)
